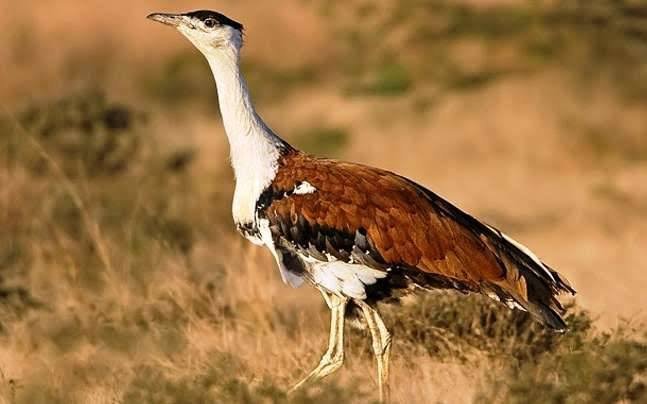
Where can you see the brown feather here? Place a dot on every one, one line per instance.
(410, 227)
(404, 227)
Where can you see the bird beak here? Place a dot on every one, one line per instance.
(168, 19)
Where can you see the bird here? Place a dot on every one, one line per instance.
(360, 235)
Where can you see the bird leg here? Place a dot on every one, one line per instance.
(381, 346)
(334, 356)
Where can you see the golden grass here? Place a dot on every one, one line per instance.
(131, 286)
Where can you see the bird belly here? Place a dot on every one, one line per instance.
(343, 278)
(338, 277)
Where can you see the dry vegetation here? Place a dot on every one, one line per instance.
(122, 280)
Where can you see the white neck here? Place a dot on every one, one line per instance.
(254, 148)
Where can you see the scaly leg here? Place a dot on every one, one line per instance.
(381, 346)
(334, 356)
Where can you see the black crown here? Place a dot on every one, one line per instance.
(222, 19)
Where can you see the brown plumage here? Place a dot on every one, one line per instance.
(409, 230)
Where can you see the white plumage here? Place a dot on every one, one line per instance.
(342, 278)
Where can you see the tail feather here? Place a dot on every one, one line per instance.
(562, 283)
(531, 283)
(547, 316)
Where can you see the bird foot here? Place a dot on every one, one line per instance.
(326, 366)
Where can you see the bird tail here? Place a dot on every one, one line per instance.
(542, 300)
(529, 282)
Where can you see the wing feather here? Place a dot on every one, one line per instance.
(376, 217)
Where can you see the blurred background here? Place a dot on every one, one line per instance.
(122, 278)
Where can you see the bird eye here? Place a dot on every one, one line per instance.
(210, 23)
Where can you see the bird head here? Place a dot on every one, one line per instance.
(210, 31)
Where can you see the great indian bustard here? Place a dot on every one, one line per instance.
(357, 233)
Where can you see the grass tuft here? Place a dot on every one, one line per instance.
(450, 325)
(223, 382)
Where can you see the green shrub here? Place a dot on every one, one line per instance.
(450, 325)
(389, 79)
(594, 40)
(181, 78)
(324, 141)
(610, 368)
(85, 133)
(266, 82)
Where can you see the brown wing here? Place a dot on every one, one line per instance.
(405, 225)
(404, 228)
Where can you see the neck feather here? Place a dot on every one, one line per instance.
(254, 149)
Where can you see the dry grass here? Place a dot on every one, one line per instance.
(121, 278)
